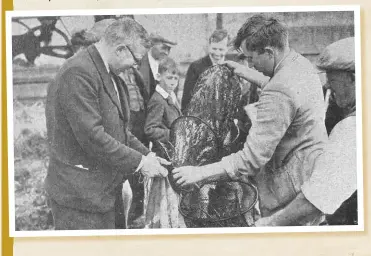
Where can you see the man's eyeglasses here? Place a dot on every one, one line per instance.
(132, 54)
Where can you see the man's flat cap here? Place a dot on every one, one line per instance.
(156, 38)
(339, 55)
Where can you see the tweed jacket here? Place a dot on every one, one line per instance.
(287, 136)
(91, 148)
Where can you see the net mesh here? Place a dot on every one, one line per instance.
(205, 134)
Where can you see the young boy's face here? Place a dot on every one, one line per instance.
(169, 80)
(217, 51)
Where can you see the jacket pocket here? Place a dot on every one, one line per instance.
(279, 186)
(282, 184)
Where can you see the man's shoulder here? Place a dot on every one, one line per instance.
(294, 77)
(79, 63)
(345, 128)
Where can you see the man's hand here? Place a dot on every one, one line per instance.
(163, 161)
(239, 69)
(251, 75)
(152, 167)
(188, 175)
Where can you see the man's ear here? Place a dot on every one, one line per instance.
(270, 51)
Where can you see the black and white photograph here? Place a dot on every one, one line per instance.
(184, 121)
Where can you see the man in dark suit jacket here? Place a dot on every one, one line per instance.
(92, 151)
(218, 47)
(149, 64)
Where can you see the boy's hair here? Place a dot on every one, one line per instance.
(260, 32)
(218, 35)
(168, 64)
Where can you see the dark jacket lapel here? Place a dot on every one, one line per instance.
(141, 85)
(207, 61)
(145, 70)
(106, 78)
(172, 104)
(124, 92)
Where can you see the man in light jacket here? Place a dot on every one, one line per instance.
(332, 187)
(288, 133)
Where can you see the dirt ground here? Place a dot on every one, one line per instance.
(30, 164)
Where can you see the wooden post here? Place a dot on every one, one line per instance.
(219, 21)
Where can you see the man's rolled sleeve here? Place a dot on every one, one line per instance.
(275, 112)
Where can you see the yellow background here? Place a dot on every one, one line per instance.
(313, 244)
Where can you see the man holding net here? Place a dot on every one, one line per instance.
(288, 132)
(92, 151)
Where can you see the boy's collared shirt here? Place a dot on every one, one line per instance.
(166, 95)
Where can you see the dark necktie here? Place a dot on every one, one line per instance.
(121, 93)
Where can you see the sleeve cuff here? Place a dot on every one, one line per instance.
(229, 168)
(141, 161)
(140, 165)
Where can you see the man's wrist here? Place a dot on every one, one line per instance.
(214, 172)
(141, 163)
(255, 77)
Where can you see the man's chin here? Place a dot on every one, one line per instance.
(216, 60)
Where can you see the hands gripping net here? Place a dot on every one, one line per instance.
(205, 134)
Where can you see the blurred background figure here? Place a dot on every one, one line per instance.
(160, 49)
(218, 47)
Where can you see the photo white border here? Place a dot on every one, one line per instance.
(240, 9)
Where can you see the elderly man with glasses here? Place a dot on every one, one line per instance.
(92, 151)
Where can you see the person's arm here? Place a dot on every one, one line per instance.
(275, 112)
(154, 127)
(189, 84)
(297, 212)
(134, 143)
(249, 74)
(333, 180)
